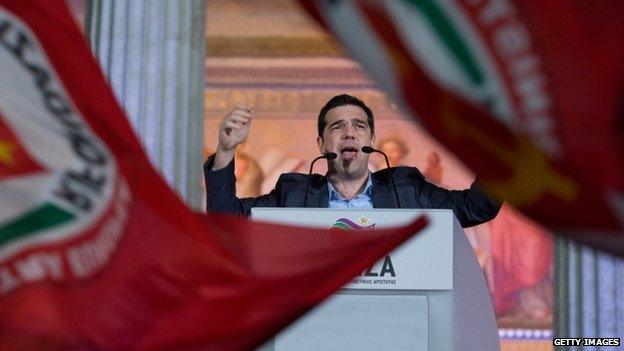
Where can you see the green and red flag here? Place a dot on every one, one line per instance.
(96, 251)
(527, 93)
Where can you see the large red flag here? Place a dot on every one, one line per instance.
(97, 253)
(528, 93)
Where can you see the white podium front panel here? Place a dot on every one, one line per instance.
(343, 323)
(424, 262)
(460, 313)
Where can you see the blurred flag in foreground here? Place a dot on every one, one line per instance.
(97, 253)
(528, 93)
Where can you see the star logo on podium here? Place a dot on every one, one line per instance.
(363, 220)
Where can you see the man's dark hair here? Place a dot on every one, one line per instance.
(341, 100)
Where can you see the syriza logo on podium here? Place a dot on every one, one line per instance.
(63, 202)
(403, 268)
(379, 275)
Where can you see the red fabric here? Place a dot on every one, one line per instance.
(581, 42)
(223, 284)
(478, 138)
(580, 49)
(171, 279)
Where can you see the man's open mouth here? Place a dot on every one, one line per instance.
(349, 153)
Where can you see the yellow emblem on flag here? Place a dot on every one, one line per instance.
(7, 150)
(532, 174)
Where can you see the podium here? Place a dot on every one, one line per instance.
(428, 294)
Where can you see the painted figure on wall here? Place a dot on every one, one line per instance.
(434, 169)
(248, 175)
(395, 148)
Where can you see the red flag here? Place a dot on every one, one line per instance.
(97, 253)
(526, 93)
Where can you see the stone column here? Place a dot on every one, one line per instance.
(589, 293)
(152, 52)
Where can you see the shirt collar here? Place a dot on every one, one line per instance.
(335, 195)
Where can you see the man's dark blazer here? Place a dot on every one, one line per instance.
(471, 206)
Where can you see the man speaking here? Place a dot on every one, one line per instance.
(346, 130)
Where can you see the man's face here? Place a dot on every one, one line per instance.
(346, 131)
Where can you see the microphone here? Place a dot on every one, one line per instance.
(368, 150)
(329, 156)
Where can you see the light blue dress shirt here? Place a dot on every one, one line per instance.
(363, 200)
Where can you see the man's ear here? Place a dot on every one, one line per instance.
(319, 142)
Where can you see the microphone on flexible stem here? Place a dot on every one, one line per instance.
(329, 156)
(368, 150)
